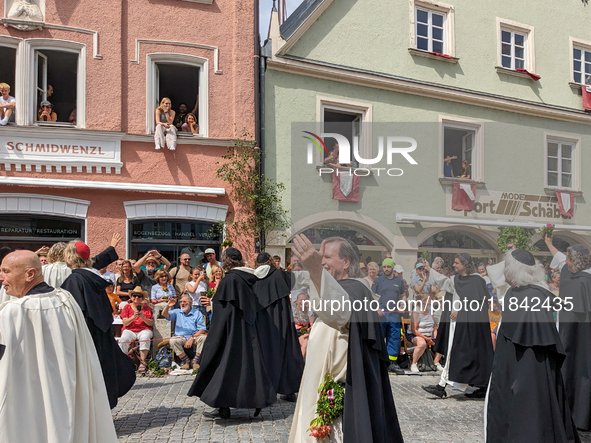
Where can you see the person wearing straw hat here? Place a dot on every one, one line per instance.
(138, 321)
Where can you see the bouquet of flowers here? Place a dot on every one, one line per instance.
(227, 244)
(211, 288)
(329, 408)
(547, 230)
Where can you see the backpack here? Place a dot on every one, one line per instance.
(425, 363)
(164, 357)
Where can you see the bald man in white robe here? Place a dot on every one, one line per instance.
(51, 384)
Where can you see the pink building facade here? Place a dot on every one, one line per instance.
(104, 67)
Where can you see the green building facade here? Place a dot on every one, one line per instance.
(496, 84)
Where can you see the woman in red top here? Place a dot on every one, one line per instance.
(137, 321)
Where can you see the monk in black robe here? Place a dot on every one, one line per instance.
(88, 289)
(470, 351)
(276, 331)
(575, 327)
(232, 372)
(527, 401)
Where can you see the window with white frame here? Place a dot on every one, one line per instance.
(582, 65)
(560, 158)
(515, 46)
(8, 72)
(57, 76)
(183, 79)
(348, 119)
(56, 80)
(430, 30)
(513, 49)
(462, 150)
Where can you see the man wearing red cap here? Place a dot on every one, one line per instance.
(88, 288)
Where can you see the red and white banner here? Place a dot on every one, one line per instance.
(345, 186)
(464, 196)
(586, 97)
(566, 203)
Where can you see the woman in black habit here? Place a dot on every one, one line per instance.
(526, 401)
(232, 372)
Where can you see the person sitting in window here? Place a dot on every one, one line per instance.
(181, 117)
(45, 113)
(191, 124)
(333, 159)
(7, 104)
(465, 170)
(73, 116)
(448, 169)
(165, 131)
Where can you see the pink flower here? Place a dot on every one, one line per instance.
(549, 225)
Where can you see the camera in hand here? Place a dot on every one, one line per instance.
(139, 308)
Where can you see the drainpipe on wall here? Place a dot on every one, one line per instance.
(257, 105)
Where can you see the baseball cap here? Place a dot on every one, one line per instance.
(398, 268)
(419, 265)
(209, 251)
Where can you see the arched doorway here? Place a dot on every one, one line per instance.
(369, 245)
(447, 243)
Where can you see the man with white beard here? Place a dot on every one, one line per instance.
(54, 377)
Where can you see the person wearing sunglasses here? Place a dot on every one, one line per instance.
(138, 321)
(45, 113)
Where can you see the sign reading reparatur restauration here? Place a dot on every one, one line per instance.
(512, 206)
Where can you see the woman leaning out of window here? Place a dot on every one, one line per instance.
(165, 132)
(190, 124)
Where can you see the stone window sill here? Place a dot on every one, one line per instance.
(451, 181)
(501, 70)
(553, 191)
(426, 54)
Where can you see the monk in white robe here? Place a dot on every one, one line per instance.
(349, 345)
(51, 384)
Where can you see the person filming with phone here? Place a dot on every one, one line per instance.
(138, 321)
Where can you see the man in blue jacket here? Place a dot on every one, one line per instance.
(390, 289)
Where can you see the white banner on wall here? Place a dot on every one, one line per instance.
(76, 151)
(511, 205)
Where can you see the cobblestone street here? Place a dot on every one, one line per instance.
(157, 410)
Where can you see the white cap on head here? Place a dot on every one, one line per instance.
(398, 269)
(209, 251)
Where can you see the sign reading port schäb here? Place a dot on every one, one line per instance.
(513, 206)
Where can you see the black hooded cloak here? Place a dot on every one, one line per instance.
(441, 341)
(369, 412)
(575, 333)
(472, 349)
(527, 398)
(232, 372)
(88, 289)
(105, 258)
(278, 339)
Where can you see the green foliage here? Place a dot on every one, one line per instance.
(520, 237)
(426, 255)
(328, 409)
(260, 196)
(153, 365)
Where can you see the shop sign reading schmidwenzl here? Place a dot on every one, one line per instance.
(513, 206)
